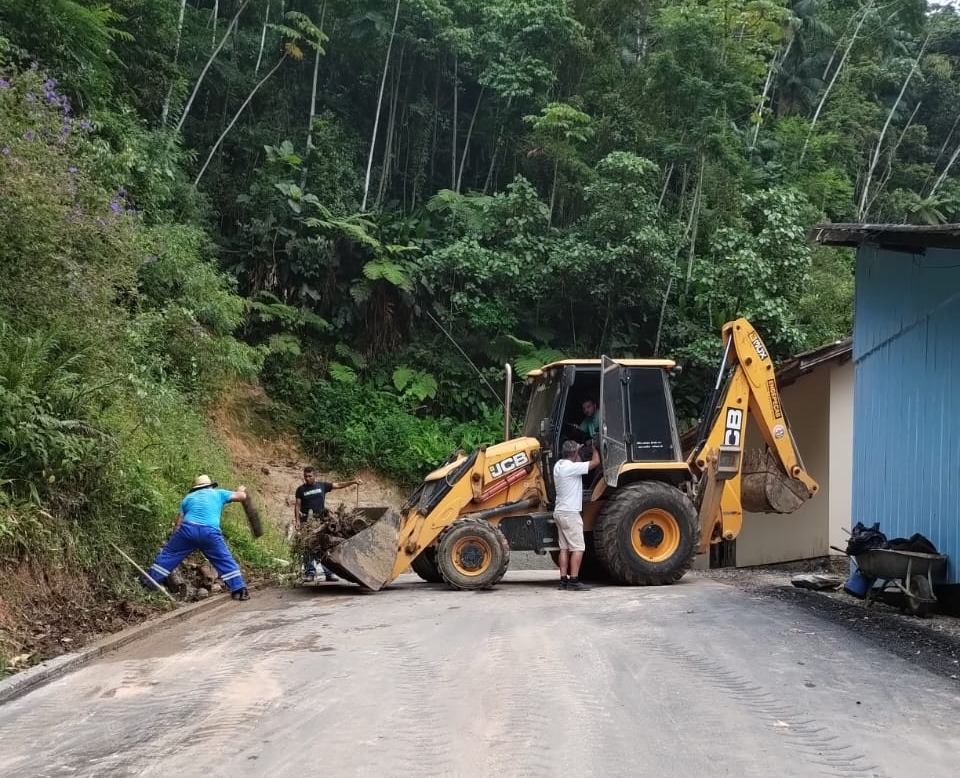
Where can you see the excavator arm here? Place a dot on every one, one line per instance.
(732, 479)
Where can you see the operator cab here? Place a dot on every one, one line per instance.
(635, 408)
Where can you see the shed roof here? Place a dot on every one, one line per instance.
(893, 235)
(837, 352)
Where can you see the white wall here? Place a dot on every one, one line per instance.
(767, 538)
(841, 453)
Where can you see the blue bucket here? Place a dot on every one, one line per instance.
(858, 585)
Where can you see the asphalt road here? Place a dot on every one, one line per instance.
(697, 679)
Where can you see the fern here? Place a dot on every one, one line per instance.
(414, 383)
(391, 272)
(341, 373)
(535, 359)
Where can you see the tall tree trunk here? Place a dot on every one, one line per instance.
(456, 104)
(776, 61)
(892, 155)
(376, 120)
(833, 79)
(694, 223)
(387, 168)
(203, 73)
(865, 193)
(466, 143)
(313, 95)
(488, 181)
(946, 171)
(236, 116)
(433, 127)
(553, 188)
(263, 40)
(165, 112)
(666, 184)
(663, 313)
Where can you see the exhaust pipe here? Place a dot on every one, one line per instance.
(507, 401)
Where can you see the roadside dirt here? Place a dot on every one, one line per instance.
(932, 641)
(45, 612)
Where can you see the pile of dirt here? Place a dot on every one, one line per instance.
(321, 536)
(195, 579)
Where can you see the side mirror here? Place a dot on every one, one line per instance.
(569, 375)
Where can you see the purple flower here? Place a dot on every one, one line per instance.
(31, 97)
(29, 135)
(116, 207)
(66, 129)
(85, 125)
(72, 171)
(50, 83)
(53, 97)
(6, 151)
(4, 84)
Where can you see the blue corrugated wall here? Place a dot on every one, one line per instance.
(906, 433)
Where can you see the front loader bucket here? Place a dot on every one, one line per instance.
(765, 488)
(368, 557)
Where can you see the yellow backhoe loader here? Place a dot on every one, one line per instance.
(648, 509)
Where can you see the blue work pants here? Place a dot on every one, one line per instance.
(205, 539)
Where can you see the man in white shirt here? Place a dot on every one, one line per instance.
(568, 479)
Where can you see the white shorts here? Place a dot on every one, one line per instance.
(570, 530)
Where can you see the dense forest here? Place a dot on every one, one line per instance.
(370, 206)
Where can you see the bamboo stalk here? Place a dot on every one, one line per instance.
(159, 585)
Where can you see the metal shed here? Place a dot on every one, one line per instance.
(906, 351)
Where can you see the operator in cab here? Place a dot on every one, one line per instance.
(568, 480)
(591, 418)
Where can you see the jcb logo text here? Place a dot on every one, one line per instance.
(509, 464)
(733, 428)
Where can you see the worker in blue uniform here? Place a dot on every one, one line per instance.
(198, 529)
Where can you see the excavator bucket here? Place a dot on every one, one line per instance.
(368, 557)
(766, 488)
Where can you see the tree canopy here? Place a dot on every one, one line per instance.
(401, 195)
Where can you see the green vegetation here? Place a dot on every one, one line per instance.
(324, 195)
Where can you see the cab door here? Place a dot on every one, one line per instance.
(613, 419)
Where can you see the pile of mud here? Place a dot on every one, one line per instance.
(194, 579)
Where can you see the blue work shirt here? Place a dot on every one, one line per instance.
(204, 506)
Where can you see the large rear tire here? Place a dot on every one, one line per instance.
(472, 554)
(425, 566)
(647, 534)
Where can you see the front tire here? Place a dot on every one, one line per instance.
(425, 565)
(472, 554)
(647, 534)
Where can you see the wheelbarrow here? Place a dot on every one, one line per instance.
(912, 573)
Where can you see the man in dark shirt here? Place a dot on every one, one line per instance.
(310, 498)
